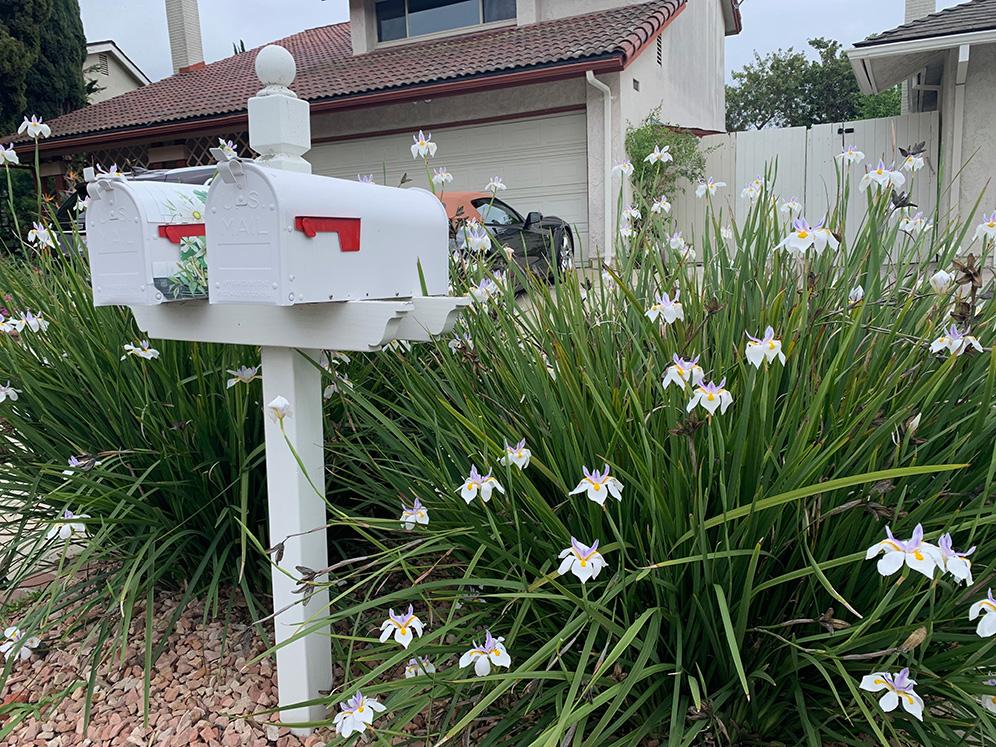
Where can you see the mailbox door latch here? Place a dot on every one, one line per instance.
(177, 231)
(348, 230)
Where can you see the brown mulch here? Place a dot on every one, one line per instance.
(204, 691)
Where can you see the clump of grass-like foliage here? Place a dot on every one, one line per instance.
(737, 606)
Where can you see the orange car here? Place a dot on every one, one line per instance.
(536, 241)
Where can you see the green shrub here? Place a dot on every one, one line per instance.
(652, 180)
(737, 606)
(170, 461)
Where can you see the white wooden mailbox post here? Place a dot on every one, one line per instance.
(292, 260)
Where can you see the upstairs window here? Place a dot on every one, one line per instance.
(400, 19)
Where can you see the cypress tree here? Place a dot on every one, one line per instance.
(21, 23)
(55, 83)
(42, 51)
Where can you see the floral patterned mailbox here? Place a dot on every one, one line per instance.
(146, 240)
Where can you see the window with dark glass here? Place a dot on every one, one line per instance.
(391, 20)
(498, 10)
(496, 213)
(398, 19)
(431, 16)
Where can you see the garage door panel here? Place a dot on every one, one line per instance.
(542, 160)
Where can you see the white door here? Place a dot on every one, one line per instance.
(542, 160)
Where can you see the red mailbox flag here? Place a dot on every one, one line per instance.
(348, 230)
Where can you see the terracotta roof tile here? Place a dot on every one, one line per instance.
(328, 70)
(976, 15)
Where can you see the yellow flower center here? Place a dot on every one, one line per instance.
(711, 397)
(596, 486)
(918, 555)
(584, 562)
(803, 234)
(470, 485)
(404, 630)
(360, 709)
(495, 652)
(879, 172)
(771, 345)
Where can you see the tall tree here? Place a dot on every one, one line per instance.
(787, 89)
(21, 24)
(42, 51)
(56, 84)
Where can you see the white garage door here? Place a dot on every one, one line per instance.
(542, 160)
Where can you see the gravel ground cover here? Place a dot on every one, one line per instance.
(205, 690)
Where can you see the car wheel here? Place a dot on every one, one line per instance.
(565, 251)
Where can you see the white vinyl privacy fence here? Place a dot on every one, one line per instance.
(804, 159)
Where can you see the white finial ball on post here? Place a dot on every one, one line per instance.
(275, 67)
(279, 122)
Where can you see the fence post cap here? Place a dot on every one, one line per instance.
(275, 67)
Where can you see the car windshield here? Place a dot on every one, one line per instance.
(496, 212)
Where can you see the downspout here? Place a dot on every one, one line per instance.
(958, 138)
(606, 161)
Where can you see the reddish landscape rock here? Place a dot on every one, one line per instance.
(202, 691)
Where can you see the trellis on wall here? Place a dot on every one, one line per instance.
(126, 157)
(199, 148)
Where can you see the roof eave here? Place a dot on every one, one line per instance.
(863, 57)
(119, 54)
(613, 62)
(732, 18)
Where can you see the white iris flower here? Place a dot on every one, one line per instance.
(898, 689)
(483, 657)
(403, 627)
(666, 308)
(423, 146)
(583, 561)
(767, 347)
(599, 485)
(518, 455)
(477, 483)
(918, 555)
(356, 715)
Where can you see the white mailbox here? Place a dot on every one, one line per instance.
(146, 241)
(286, 238)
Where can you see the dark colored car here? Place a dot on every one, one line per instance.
(537, 241)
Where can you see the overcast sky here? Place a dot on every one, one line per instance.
(139, 26)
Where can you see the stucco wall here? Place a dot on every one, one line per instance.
(979, 149)
(688, 84)
(362, 25)
(449, 109)
(117, 81)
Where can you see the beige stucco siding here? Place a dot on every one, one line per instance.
(979, 149)
(688, 84)
(117, 80)
(446, 109)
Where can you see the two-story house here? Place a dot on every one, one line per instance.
(539, 92)
(111, 71)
